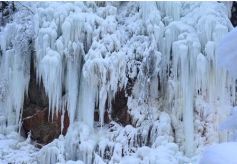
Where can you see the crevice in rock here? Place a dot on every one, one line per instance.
(120, 112)
(120, 109)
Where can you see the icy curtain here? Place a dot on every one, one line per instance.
(86, 52)
(15, 55)
(63, 39)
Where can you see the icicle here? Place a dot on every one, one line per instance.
(51, 72)
(181, 51)
(86, 102)
(171, 9)
(201, 79)
(150, 13)
(209, 50)
(73, 80)
(102, 101)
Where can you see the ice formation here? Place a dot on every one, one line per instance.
(85, 53)
(15, 53)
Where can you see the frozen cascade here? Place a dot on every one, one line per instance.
(185, 91)
(87, 53)
(87, 98)
(15, 51)
(72, 83)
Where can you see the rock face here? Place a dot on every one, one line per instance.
(43, 129)
(120, 112)
(234, 14)
(120, 109)
(6, 10)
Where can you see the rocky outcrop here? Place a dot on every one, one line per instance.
(42, 127)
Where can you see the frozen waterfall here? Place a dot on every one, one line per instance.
(160, 55)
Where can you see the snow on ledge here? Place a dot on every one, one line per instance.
(220, 154)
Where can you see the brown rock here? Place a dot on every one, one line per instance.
(119, 108)
(43, 129)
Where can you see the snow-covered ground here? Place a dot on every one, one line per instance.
(16, 149)
(220, 154)
(91, 51)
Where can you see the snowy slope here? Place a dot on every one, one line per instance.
(91, 51)
(220, 154)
